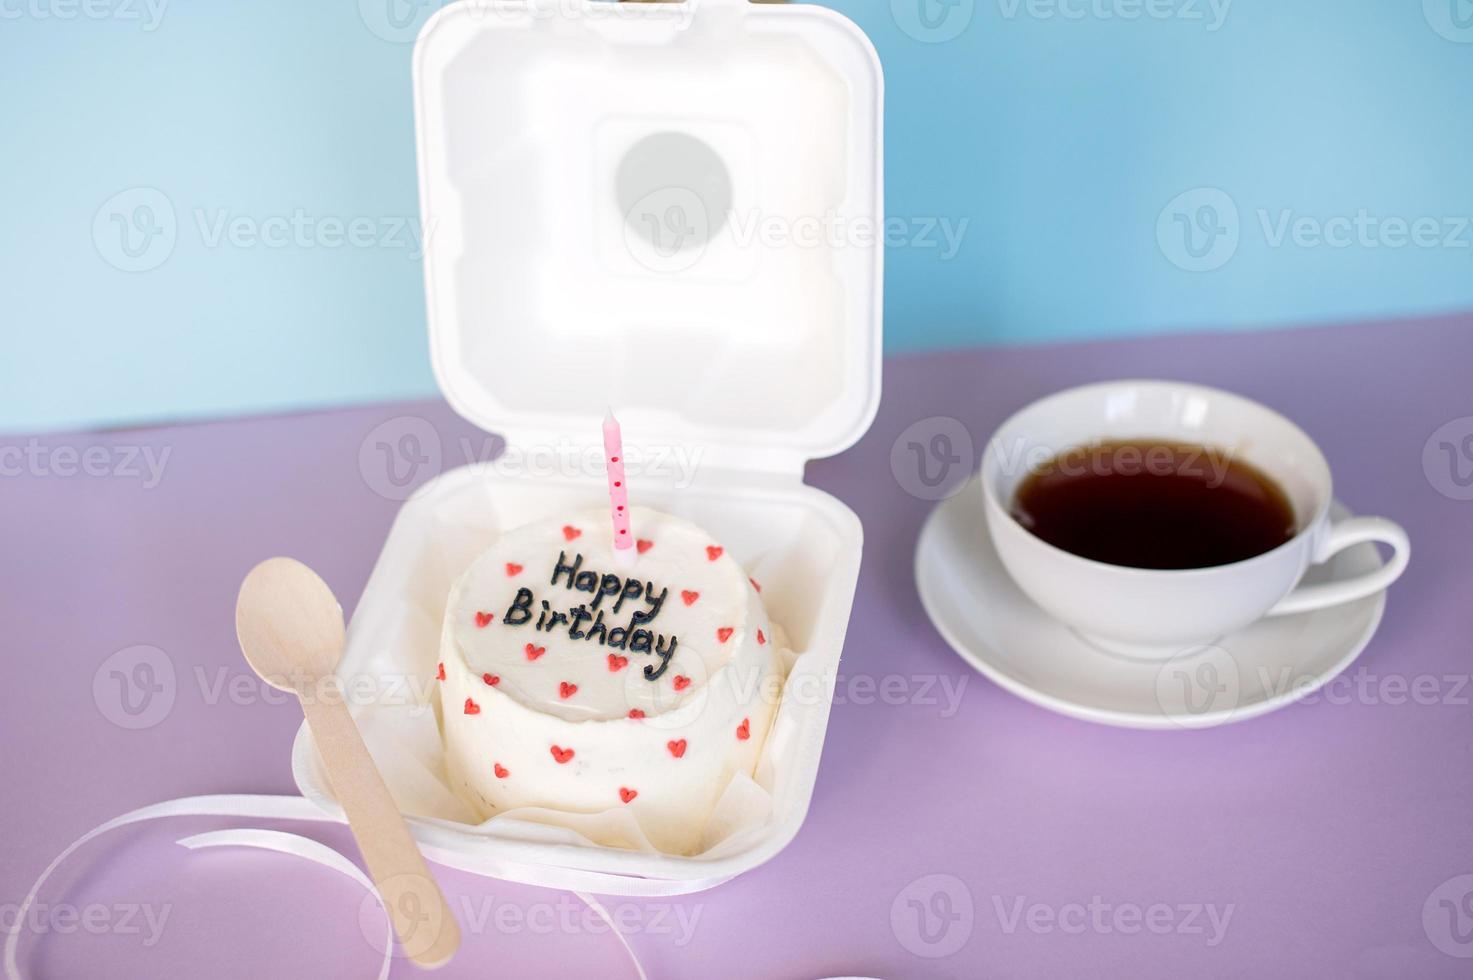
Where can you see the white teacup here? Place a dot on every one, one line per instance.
(1145, 613)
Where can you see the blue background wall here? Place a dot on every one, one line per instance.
(1123, 166)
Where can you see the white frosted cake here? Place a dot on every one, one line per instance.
(570, 683)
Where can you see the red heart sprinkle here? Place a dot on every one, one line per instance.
(533, 652)
(561, 755)
(440, 674)
(724, 634)
(681, 682)
(627, 794)
(643, 545)
(566, 690)
(760, 638)
(501, 771)
(483, 619)
(713, 552)
(491, 679)
(471, 708)
(512, 568)
(677, 747)
(570, 532)
(744, 730)
(689, 597)
(754, 584)
(636, 714)
(617, 662)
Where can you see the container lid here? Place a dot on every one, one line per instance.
(674, 209)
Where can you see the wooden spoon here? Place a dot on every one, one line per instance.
(290, 628)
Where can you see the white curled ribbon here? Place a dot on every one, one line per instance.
(256, 807)
(275, 840)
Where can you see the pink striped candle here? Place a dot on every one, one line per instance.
(624, 550)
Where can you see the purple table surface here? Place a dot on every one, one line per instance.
(1327, 839)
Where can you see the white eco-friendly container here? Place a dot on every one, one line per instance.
(675, 209)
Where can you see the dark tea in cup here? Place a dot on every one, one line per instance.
(1154, 504)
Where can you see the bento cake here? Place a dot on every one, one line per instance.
(573, 684)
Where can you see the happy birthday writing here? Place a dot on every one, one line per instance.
(585, 621)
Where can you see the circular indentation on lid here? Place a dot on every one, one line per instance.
(675, 193)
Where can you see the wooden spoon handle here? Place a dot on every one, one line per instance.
(422, 920)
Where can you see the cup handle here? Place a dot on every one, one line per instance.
(1346, 534)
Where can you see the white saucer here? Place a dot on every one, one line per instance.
(999, 631)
